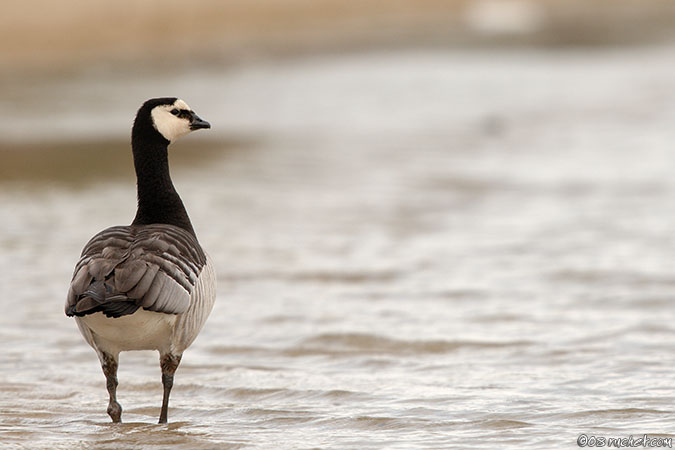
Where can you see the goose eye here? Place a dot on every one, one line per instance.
(175, 112)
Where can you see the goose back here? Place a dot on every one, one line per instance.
(155, 267)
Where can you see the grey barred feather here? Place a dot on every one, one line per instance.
(123, 268)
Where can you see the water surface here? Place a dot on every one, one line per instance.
(414, 250)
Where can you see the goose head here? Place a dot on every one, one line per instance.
(171, 117)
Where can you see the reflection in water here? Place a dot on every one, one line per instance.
(470, 250)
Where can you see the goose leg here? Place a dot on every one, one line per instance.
(109, 365)
(169, 364)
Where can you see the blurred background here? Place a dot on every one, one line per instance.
(436, 224)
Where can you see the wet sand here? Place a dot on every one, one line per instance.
(53, 162)
(46, 37)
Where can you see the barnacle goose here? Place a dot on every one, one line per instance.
(149, 285)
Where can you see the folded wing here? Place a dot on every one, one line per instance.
(154, 267)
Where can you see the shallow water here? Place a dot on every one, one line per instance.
(414, 250)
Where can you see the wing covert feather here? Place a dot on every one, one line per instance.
(151, 266)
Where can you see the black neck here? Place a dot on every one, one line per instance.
(158, 201)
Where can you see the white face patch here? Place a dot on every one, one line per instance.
(169, 125)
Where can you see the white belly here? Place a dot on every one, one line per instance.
(142, 330)
(149, 330)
